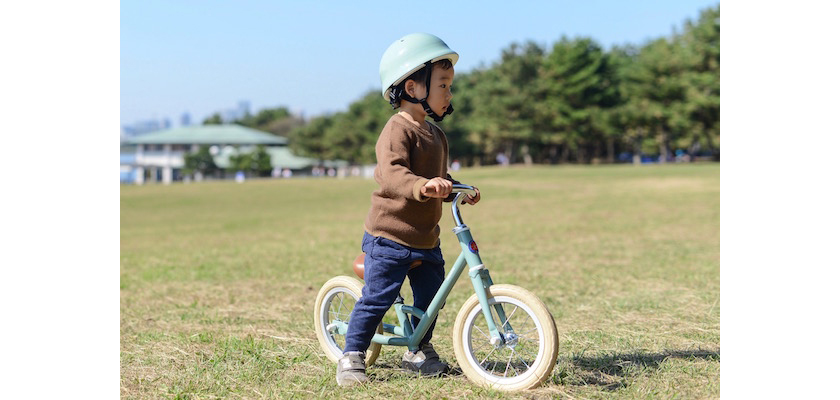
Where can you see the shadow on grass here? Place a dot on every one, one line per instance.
(608, 372)
(612, 372)
(387, 370)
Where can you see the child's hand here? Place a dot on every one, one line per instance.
(437, 187)
(472, 200)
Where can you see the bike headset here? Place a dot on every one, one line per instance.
(406, 56)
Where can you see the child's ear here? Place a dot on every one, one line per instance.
(413, 88)
(410, 87)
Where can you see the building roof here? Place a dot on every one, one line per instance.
(209, 134)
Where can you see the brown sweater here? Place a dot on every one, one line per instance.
(407, 156)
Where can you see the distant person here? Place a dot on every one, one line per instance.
(240, 177)
(502, 159)
(411, 156)
(331, 172)
(287, 173)
(456, 165)
(682, 156)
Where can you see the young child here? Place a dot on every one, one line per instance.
(401, 228)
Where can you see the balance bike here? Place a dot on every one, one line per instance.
(504, 336)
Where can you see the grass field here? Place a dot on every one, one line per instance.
(218, 282)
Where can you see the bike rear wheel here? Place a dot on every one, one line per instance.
(334, 303)
(527, 357)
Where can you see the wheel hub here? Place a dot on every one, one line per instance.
(511, 339)
(332, 328)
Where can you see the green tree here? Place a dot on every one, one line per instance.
(508, 96)
(630, 119)
(663, 89)
(200, 161)
(215, 119)
(578, 83)
(278, 121)
(701, 41)
(356, 131)
(349, 136)
(239, 162)
(256, 162)
(309, 140)
(262, 161)
(670, 90)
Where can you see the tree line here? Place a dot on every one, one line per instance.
(571, 102)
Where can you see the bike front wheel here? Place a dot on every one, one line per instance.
(334, 303)
(527, 357)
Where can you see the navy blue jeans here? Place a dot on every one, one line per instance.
(386, 266)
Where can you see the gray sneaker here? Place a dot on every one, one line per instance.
(351, 369)
(425, 361)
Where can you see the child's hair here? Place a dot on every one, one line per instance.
(419, 76)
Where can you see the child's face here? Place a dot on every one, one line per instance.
(441, 93)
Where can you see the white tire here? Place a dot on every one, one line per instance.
(528, 356)
(335, 302)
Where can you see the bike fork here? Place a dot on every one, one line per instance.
(480, 277)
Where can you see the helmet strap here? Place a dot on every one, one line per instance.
(398, 93)
(433, 114)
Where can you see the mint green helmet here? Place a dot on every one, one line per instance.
(408, 55)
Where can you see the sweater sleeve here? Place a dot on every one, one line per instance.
(393, 162)
(451, 196)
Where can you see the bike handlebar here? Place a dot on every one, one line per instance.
(460, 191)
(461, 188)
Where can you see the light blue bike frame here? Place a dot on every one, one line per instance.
(405, 334)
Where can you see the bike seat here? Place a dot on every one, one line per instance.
(359, 265)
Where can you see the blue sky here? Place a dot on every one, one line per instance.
(316, 57)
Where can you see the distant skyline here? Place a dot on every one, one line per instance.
(202, 57)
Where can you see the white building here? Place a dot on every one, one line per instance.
(159, 156)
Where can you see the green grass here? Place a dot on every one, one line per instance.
(218, 282)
